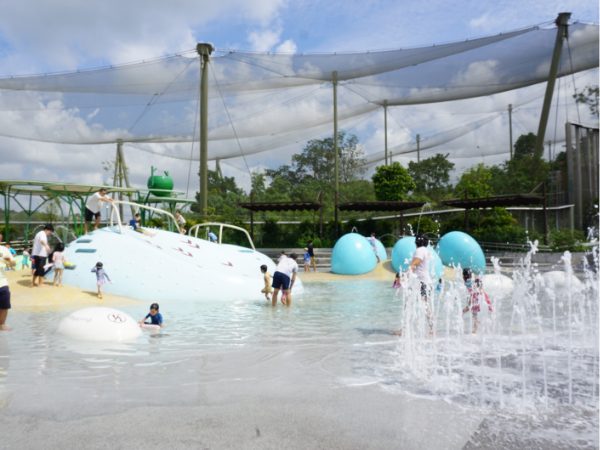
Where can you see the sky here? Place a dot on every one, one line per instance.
(63, 35)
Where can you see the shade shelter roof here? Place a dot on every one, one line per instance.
(380, 206)
(496, 201)
(281, 206)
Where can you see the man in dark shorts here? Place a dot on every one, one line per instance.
(93, 205)
(284, 278)
(40, 253)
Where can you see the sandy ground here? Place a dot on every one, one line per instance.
(50, 298)
(382, 272)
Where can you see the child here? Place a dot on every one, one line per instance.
(267, 278)
(475, 289)
(58, 258)
(25, 260)
(397, 283)
(101, 277)
(154, 316)
(136, 222)
(306, 260)
(212, 237)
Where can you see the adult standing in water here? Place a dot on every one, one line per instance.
(420, 266)
(40, 253)
(284, 278)
(93, 205)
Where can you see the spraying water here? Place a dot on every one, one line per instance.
(537, 351)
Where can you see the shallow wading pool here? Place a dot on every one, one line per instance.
(328, 372)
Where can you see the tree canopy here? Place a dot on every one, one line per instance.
(392, 182)
(431, 175)
(475, 182)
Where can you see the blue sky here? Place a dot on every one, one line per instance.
(44, 36)
(39, 36)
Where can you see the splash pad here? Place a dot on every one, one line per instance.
(533, 361)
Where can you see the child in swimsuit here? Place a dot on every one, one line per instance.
(267, 278)
(154, 316)
(101, 277)
(476, 293)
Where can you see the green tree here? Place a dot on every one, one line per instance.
(431, 175)
(525, 174)
(522, 174)
(498, 225)
(475, 182)
(258, 187)
(392, 182)
(317, 159)
(525, 145)
(589, 97)
(223, 198)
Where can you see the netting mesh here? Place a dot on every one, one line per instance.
(263, 102)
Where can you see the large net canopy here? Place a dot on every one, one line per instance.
(262, 102)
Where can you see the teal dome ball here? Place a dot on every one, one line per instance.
(352, 255)
(379, 249)
(436, 268)
(403, 252)
(458, 248)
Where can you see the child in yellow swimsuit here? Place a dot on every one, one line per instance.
(267, 277)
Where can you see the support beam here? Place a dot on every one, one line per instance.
(510, 136)
(334, 81)
(204, 51)
(385, 133)
(562, 23)
(418, 148)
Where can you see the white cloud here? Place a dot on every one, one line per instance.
(264, 40)
(63, 35)
(287, 46)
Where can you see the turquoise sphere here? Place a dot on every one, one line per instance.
(352, 255)
(403, 252)
(379, 249)
(458, 248)
(436, 268)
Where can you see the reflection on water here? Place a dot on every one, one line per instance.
(339, 334)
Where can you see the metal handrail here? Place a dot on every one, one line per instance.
(194, 230)
(115, 211)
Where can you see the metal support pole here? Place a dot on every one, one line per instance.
(545, 205)
(385, 133)
(335, 151)
(418, 148)
(561, 33)
(510, 136)
(204, 50)
(578, 179)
